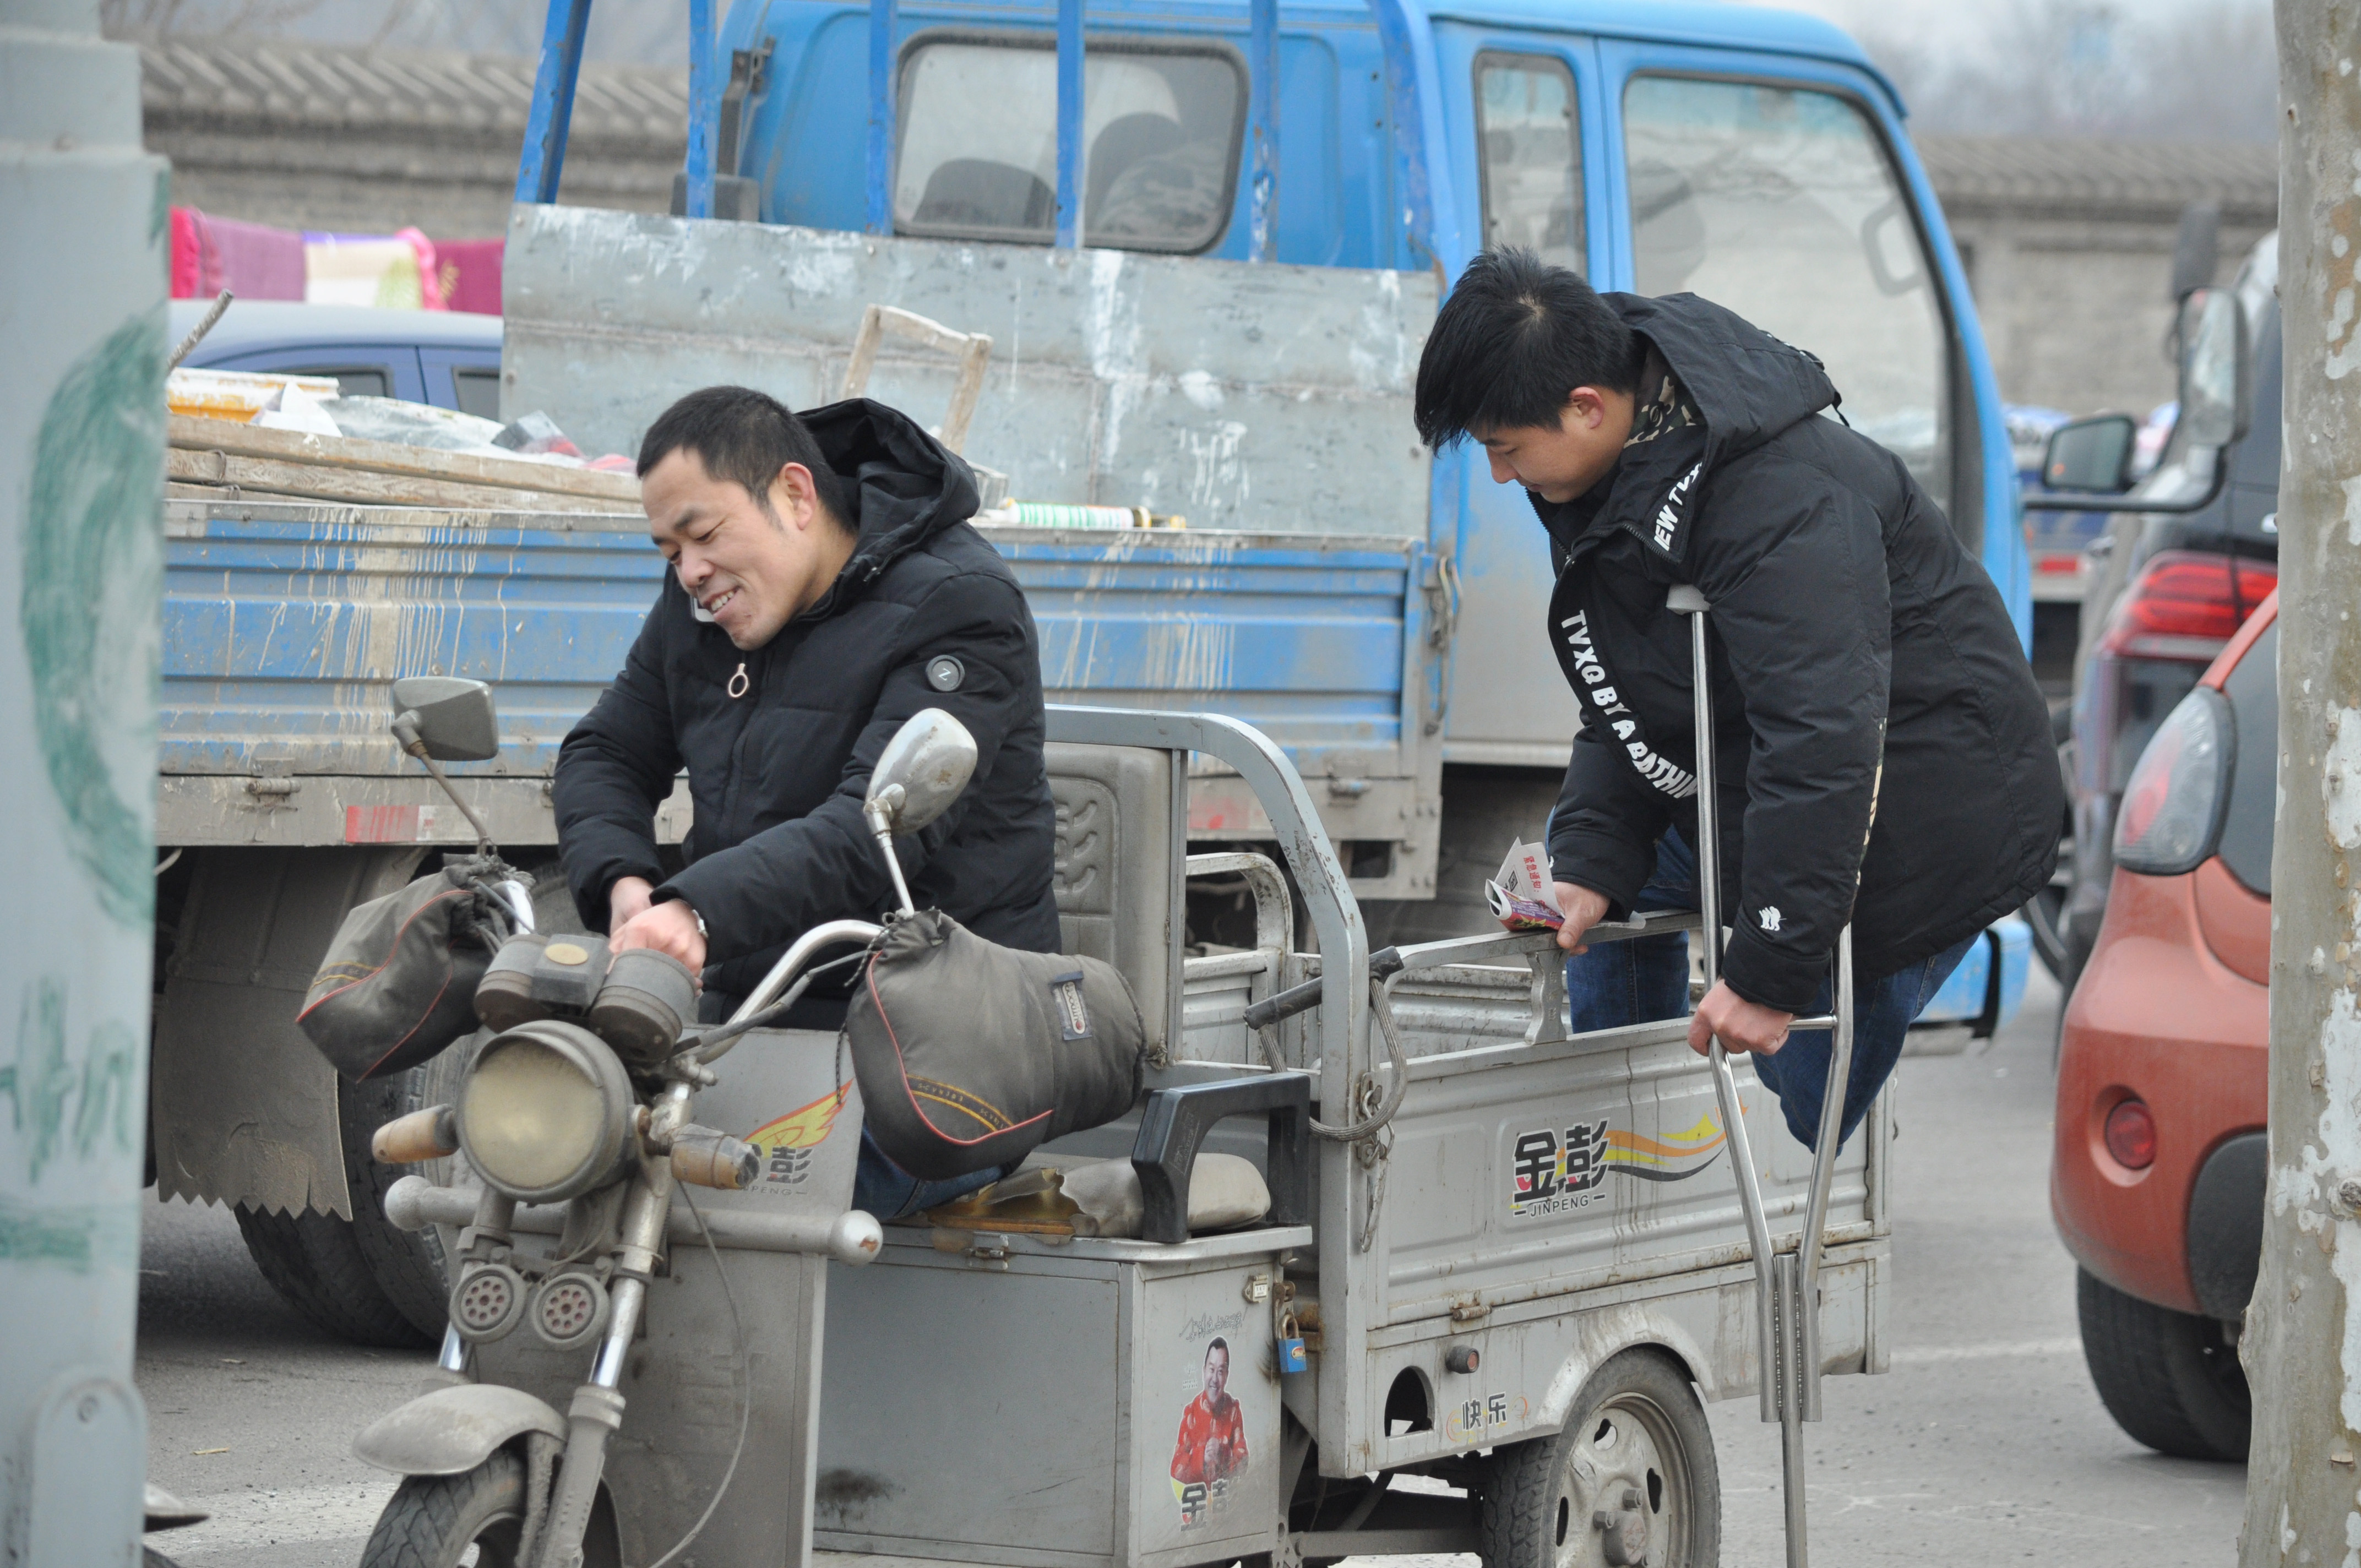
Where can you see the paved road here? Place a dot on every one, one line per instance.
(1984, 1445)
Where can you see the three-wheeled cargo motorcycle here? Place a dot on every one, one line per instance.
(1496, 1271)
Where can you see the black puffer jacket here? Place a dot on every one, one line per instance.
(778, 774)
(1850, 633)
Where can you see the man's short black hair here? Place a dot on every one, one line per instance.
(1515, 338)
(746, 437)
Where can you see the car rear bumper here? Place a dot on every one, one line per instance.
(2157, 1017)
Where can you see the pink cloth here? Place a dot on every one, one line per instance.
(467, 273)
(430, 286)
(188, 261)
(254, 261)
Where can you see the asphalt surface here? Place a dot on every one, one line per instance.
(1985, 1444)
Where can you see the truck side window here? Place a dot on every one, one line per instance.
(477, 390)
(1531, 149)
(1784, 205)
(978, 144)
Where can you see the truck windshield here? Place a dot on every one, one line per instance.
(1782, 204)
(979, 143)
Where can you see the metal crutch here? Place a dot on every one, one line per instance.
(1787, 1284)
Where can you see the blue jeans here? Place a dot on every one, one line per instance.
(1645, 980)
(883, 1188)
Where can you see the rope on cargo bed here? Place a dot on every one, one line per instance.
(1382, 1008)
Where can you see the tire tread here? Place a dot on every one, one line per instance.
(424, 1523)
(2150, 1365)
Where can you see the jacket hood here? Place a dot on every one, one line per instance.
(1746, 388)
(1748, 384)
(900, 485)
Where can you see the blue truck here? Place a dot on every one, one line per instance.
(1206, 240)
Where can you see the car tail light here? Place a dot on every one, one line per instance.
(2131, 1135)
(2185, 605)
(2171, 816)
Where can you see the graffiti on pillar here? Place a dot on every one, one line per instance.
(94, 568)
(66, 1110)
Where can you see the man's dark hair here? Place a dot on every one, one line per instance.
(746, 437)
(1516, 336)
(1219, 1344)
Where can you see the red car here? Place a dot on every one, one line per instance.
(2157, 1176)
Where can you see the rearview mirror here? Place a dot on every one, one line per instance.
(921, 772)
(452, 718)
(2092, 455)
(2216, 390)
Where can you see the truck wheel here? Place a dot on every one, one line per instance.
(1632, 1479)
(433, 1522)
(2170, 1379)
(409, 1265)
(314, 1261)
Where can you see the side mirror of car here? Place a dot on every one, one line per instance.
(921, 772)
(2092, 455)
(446, 718)
(2216, 368)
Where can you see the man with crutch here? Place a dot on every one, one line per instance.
(1885, 757)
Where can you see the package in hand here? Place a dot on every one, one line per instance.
(1521, 894)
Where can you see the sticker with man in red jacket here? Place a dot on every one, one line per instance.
(1210, 1450)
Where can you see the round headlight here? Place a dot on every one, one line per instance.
(546, 1113)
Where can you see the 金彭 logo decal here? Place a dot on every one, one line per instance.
(1558, 1170)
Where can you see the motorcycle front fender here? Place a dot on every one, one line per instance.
(454, 1429)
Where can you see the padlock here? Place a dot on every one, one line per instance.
(1291, 1357)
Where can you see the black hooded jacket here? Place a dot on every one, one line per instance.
(1878, 727)
(777, 775)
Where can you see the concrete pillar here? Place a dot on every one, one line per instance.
(84, 245)
(2301, 1345)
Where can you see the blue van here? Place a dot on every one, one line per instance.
(448, 359)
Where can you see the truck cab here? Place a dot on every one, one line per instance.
(1749, 155)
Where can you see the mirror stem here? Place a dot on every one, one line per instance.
(405, 729)
(884, 832)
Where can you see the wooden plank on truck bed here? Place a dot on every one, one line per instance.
(312, 481)
(619, 492)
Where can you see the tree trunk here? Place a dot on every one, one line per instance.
(2302, 1341)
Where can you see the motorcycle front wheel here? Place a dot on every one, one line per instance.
(473, 1520)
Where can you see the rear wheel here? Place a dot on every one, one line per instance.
(314, 1261)
(409, 1265)
(1632, 1479)
(2170, 1379)
(476, 1517)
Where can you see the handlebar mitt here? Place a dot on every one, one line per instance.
(399, 982)
(970, 1054)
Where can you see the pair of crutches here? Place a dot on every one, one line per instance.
(1787, 1284)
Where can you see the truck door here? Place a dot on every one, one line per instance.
(1527, 138)
(1771, 185)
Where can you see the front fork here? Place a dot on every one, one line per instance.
(554, 1531)
(597, 1408)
